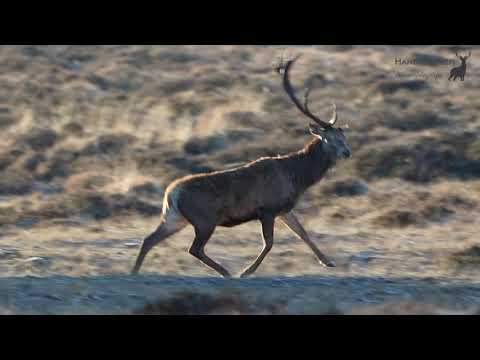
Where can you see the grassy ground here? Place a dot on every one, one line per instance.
(93, 134)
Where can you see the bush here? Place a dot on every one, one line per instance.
(388, 87)
(469, 256)
(191, 303)
(40, 139)
(449, 156)
(59, 165)
(198, 146)
(424, 213)
(15, 182)
(414, 120)
(109, 144)
(177, 86)
(6, 118)
(244, 118)
(73, 128)
(178, 57)
(93, 205)
(345, 187)
(86, 181)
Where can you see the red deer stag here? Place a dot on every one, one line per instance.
(261, 190)
(461, 70)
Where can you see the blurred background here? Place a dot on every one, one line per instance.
(92, 135)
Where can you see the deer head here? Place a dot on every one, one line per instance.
(334, 139)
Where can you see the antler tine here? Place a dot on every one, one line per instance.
(280, 66)
(291, 93)
(334, 118)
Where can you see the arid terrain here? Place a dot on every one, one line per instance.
(92, 135)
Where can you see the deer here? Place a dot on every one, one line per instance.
(461, 70)
(262, 190)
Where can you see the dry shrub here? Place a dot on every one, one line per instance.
(179, 57)
(224, 303)
(109, 144)
(406, 308)
(413, 120)
(406, 204)
(15, 182)
(87, 181)
(469, 256)
(421, 216)
(448, 156)
(244, 118)
(60, 164)
(73, 128)
(345, 187)
(217, 142)
(8, 215)
(7, 159)
(176, 86)
(388, 87)
(215, 82)
(277, 104)
(93, 205)
(146, 189)
(32, 162)
(39, 139)
(206, 145)
(6, 118)
(189, 108)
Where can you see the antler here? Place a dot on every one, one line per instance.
(291, 93)
(463, 57)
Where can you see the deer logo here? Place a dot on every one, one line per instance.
(461, 70)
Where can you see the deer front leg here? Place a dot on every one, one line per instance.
(291, 221)
(267, 234)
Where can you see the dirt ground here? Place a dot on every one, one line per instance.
(93, 134)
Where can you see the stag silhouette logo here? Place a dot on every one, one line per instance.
(460, 71)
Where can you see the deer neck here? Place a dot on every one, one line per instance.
(307, 166)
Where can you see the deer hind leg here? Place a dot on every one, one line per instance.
(267, 235)
(202, 235)
(291, 221)
(169, 225)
